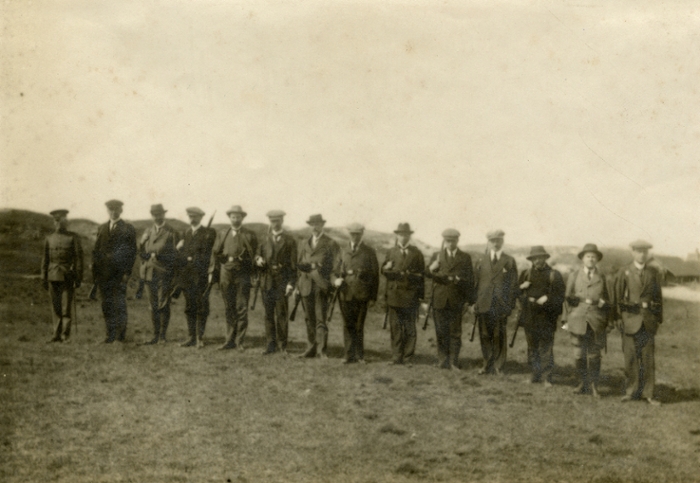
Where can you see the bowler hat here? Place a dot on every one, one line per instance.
(275, 214)
(495, 234)
(193, 210)
(60, 212)
(590, 247)
(236, 209)
(538, 251)
(315, 219)
(403, 228)
(641, 245)
(113, 204)
(356, 228)
(450, 233)
(157, 209)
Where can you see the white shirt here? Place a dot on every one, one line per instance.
(314, 239)
(589, 271)
(640, 266)
(113, 222)
(195, 228)
(496, 254)
(451, 253)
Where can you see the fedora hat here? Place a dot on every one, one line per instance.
(157, 209)
(403, 228)
(236, 209)
(538, 251)
(315, 219)
(590, 247)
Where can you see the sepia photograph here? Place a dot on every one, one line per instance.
(349, 241)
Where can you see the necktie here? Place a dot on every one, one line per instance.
(404, 252)
(590, 274)
(495, 258)
(354, 248)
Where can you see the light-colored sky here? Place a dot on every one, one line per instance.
(559, 122)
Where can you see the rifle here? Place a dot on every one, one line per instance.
(471, 337)
(430, 307)
(524, 309)
(93, 292)
(330, 312)
(386, 313)
(75, 312)
(207, 290)
(255, 295)
(297, 300)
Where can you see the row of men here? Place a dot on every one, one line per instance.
(318, 270)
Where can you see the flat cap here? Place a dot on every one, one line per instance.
(450, 233)
(193, 210)
(315, 219)
(59, 212)
(236, 209)
(493, 234)
(275, 214)
(158, 208)
(641, 245)
(112, 204)
(356, 228)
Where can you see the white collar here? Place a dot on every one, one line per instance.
(401, 247)
(316, 237)
(112, 223)
(640, 266)
(195, 228)
(498, 254)
(589, 270)
(277, 233)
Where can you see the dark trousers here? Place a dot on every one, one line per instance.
(402, 323)
(354, 314)
(276, 318)
(587, 356)
(61, 294)
(236, 294)
(540, 342)
(316, 305)
(638, 350)
(113, 294)
(448, 333)
(159, 288)
(196, 307)
(494, 341)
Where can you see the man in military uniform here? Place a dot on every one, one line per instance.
(194, 254)
(497, 288)
(542, 295)
(158, 256)
(112, 260)
(453, 280)
(403, 268)
(637, 296)
(232, 256)
(586, 317)
(356, 276)
(317, 256)
(62, 273)
(277, 264)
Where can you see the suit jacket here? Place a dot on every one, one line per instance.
(114, 253)
(547, 282)
(233, 255)
(578, 312)
(195, 254)
(450, 292)
(405, 285)
(280, 261)
(157, 251)
(633, 289)
(496, 285)
(63, 257)
(360, 270)
(316, 264)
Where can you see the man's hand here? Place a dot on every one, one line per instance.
(259, 261)
(338, 282)
(180, 244)
(144, 237)
(525, 285)
(472, 309)
(435, 265)
(542, 300)
(601, 303)
(288, 290)
(389, 265)
(211, 277)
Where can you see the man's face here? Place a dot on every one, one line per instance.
(114, 213)
(195, 219)
(640, 255)
(539, 262)
(236, 219)
(403, 238)
(276, 223)
(451, 243)
(590, 259)
(60, 222)
(158, 218)
(355, 238)
(495, 244)
(317, 227)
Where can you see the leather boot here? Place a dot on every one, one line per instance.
(582, 370)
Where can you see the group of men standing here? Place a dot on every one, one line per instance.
(319, 271)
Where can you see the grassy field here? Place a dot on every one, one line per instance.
(87, 412)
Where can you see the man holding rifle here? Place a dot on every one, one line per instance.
(233, 259)
(277, 264)
(194, 254)
(541, 296)
(405, 287)
(452, 273)
(62, 273)
(356, 277)
(317, 258)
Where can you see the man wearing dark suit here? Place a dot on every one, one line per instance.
(233, 255)
(497, 287)
(194, 254)
(62, 273)
(158, 256)
(317, 256)
(453, 278)
(357, 277)
(542, 295)
(277, 264)
(112, 260)
(639, 304)
(404, 269)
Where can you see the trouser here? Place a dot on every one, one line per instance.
(196, 307)
(316, 305)
(494, 341)
(113, 294)
(540, 342)
(159, 288)
(638, 350)
(276, 318)
(587, 355)
(354, 314)
(236, 294)
(61, 294)
(448, 333)
(402, 323)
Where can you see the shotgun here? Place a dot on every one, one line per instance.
(297, 300)
(430, 307)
